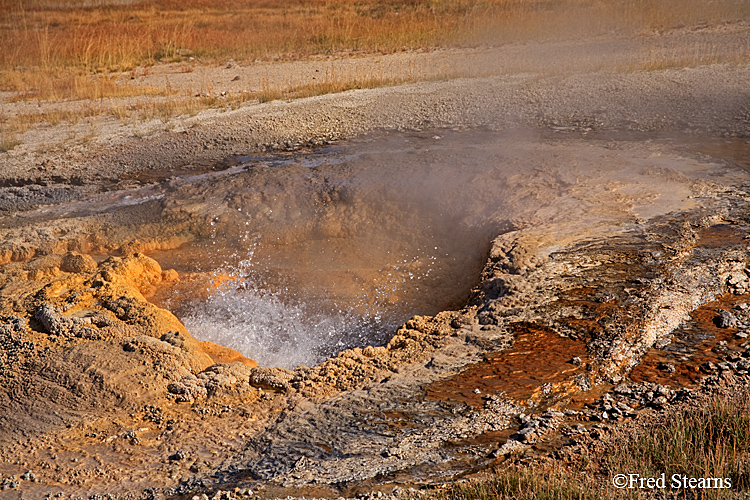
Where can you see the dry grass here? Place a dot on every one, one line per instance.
(51, 47)
(22, 122)
(67, 83)
(8, 141)
(330, 83)
(165, 108)
(712, 441)
(71, 49)
(708, 442)
(519, 484)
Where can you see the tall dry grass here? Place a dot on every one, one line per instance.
(519, 484)
(71, 49)
(46, 42)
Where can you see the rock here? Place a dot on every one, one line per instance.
(57, 324)
(173, 337)
(708, 367)
(13, 344)
(583, 382)
(131, 436)
(725, 319)
(666, 367)
(659, 402)
(145, 345)
(510, 446)
(662, 343)
(579, 429)
(220, 379)
(271, 379)
(73, 262)
(737, 282)
(623, 389)
(188, 389)
(226, 379)
(137, 271)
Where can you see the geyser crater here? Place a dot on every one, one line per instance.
(305, 255)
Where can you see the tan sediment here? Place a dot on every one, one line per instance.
(85, 290)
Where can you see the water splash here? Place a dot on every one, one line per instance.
(275, 330)
(249, 310)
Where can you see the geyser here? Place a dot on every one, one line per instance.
(303, 256)
(331, 251)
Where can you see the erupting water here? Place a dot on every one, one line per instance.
(291, 316)
(308, 258)
(276, 331)
(294, 259)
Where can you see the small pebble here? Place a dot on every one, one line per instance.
(666, 367)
